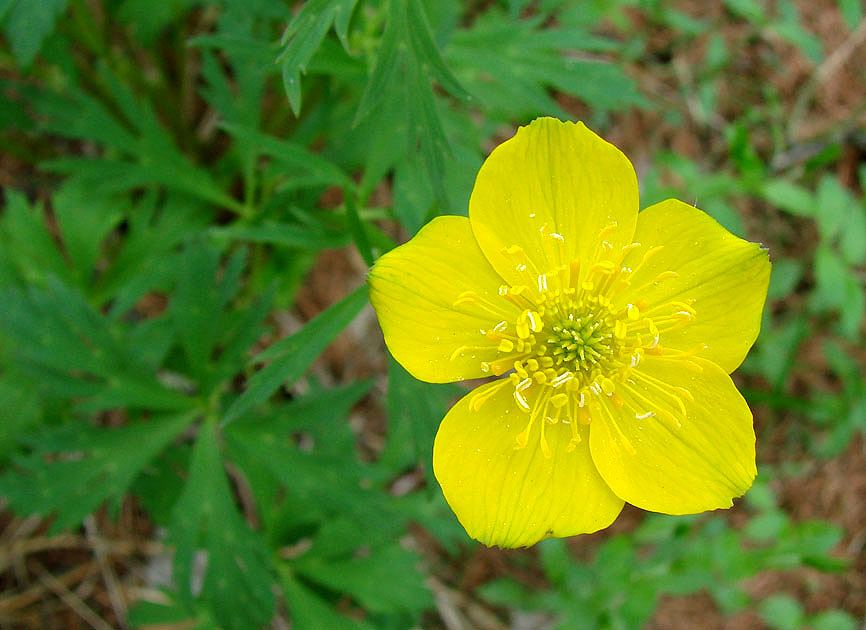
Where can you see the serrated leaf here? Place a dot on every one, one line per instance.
(237, 579)
(304, 35)
(148, 153)
(25, 243)
(324, 483)
(427, 52)
(76, 468)
(145, 257)
(84, 221)
(292, 155)
(292, 356)
(531, 58)
(408, 60)
(71, 350)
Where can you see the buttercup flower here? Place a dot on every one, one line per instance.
(611, 334)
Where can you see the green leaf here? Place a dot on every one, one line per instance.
(408, 60)
(296, 236)
(310, 612)
(852, 241)
(320, 483)
(76, 468)
(362, 577)
(531, 58)
(71, 350)
(237, 579)
(28, 23)
(145, 259)
(20, 409)
(787, 272)
(767, 526)
(789, 197)
(356, 227)
(748, 9)
(852, 12)
(197, 304)
(85, 221)
(427, 53)
(761, 497)
(293, 355)
(415, 410)
(788, 26)
(777, 350)
(292, 156)
(146, 153)
(25, 243)
(838, 288)
(833, 620)
(555, 560)
(782, 612)
(414, 197)
(304, 35)
(833, 205)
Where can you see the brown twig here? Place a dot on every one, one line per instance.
(69, 598)
(112, 584)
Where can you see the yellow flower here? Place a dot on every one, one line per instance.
(612, 334)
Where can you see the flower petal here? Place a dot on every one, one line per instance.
(556, 190)
(690, 456)
(722, 277)
(414, 289)
(514, 498)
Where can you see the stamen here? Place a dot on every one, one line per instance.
(471, 297)
(574, 353)
(622, 436)
(480, 397)
(464, 349)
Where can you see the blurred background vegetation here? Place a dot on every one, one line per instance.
(199, 425)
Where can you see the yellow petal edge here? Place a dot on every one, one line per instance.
(430, 295)
(515, 497)
(557, 191)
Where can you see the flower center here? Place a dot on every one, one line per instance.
(575, 341)
(582, 341)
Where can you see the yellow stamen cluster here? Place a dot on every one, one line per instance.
(571, 344)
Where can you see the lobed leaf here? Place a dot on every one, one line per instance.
(237, 579)
(293, 355)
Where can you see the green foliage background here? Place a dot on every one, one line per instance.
(190, 152)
